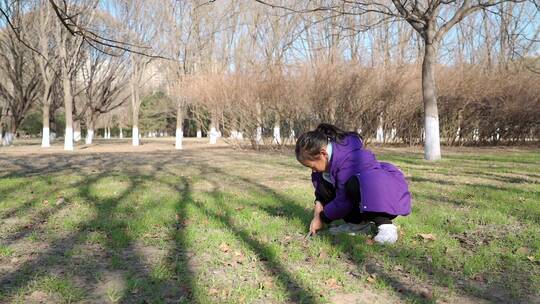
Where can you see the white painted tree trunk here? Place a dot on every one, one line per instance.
(393, 135)
(380, 131)
(458, 134)
(76, 131)
(45, 136)
(277, 135)
(121, 133)
(240, 136)
(199, 134)
(179, 136)
(292, 136)
(380, 134)
(213, 135)
(258, 131)
(7, 140)
(234, 134)
(68, 139)
(89, 136)
(432, 142)
(258, 135)
(135, 136)
(135, 104)
(76, 135)
(179, 126)
(68, 107)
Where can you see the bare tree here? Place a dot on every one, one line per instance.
(106, 86)
(47, 60)
(19, 72)
(69, 51)
(432, 20)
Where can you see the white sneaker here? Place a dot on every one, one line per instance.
(351, 229)
(387, 234)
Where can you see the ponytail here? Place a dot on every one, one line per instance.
(309, 144)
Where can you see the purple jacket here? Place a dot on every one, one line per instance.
(383, 187)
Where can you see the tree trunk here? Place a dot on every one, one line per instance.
(76, 130)
(45, 136)
(432, 144)
(213, 132)
(135, 105)
(90, 132)
(277, 133)
(89, 136)
(380, 130)
(121, 133)
(179, 127)
(68, 107)
(9, 137)
(199, 132)
(258, 132)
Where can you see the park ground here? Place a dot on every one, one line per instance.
(213, 224)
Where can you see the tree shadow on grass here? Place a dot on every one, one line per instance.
(492, 290)
(40, 217)
(118, 253)
(107, 210)
(296, 291)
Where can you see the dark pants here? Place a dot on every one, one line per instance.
(326, 194)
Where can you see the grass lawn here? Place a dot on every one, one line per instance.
(218, 225)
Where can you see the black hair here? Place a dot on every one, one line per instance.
(310, 143)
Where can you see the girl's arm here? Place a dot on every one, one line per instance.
(341, 205)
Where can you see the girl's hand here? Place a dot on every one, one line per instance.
(316, 224)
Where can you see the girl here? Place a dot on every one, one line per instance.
(350, 183)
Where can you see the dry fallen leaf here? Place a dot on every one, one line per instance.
(427, 236)
(213, 291)
(479, 278)
(267, 284)
(224, 247)
(177, 217)
(323, 254)
(425, 293)
(523, 250)
(239, 208)
(60, 201)
(332, 283)
(45, 202)
(530, 258)
(371, 278)
(370, 241)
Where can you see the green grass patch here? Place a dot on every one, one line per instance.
(233, 231)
